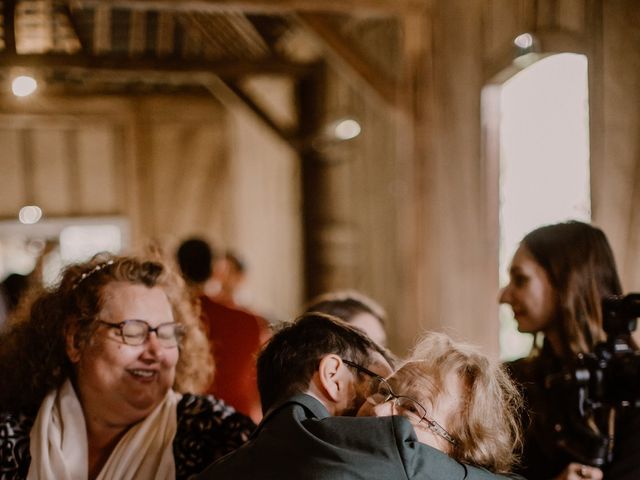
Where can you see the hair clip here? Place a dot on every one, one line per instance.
(95, 269)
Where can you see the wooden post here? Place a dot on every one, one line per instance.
(8, 25)
(311, 94)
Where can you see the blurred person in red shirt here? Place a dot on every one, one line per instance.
(235, 334)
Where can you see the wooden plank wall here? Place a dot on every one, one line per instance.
(436, 264)
(616, 171)
(61, 160)
(175, 166)
(457, 246)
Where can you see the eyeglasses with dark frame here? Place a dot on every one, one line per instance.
(406, 406)
(136, 332)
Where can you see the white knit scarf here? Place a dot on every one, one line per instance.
(59, 447)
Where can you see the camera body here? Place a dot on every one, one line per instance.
(600, 385)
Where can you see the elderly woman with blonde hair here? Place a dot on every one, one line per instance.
(458, 400)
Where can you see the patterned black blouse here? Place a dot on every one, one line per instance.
(207, 430)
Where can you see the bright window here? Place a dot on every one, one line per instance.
(543, 144)
(72, 240)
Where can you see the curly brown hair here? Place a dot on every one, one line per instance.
(33, 356)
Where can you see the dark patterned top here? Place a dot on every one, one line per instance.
(207, 430)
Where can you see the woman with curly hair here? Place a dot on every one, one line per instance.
(93, 380)
(458, 401)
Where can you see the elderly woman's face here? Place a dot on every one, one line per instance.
(126, 382)
(441, 404)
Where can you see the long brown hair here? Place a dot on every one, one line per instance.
(33, 357)
(581, 268)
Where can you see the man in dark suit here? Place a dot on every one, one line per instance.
(311, 371)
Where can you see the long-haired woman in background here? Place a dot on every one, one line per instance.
(559, 276)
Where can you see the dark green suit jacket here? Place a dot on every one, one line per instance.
(299, 440)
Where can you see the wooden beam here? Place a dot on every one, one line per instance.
(165, 34)
(102, 30)
(231, 96)
(414, 146)
(318, 211)
(74, 26)
(27, 163)
(8, 25)
(337, 45)
(146, 65)
(137, 33)
(373, 7)
(288, 137)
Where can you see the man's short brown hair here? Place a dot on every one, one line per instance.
(287, 363)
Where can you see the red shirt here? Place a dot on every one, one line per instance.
(235, 337)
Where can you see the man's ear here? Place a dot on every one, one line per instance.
(72, 345)
(330, 375)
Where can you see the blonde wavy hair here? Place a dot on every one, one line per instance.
(486, 423)
(33, 356)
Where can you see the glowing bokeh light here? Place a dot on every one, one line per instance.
(544, 160)
(347, 129)
(23, 86)
(30, 214)
(524, 41)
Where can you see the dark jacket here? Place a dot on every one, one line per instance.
(299, 440)
(554, 435)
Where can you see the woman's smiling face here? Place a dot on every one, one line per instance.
(126, 382)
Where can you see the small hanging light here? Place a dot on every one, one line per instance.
(23, 85)
(30, 214)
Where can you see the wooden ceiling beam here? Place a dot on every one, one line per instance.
(339, 46)
(288, 137)
(224, 69)
(74, 26)
(137, 33)
(380, 7)
(8, 25)
(165, 36)
(102, 30)
(231, 96)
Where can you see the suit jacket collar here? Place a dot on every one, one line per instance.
(313, 407)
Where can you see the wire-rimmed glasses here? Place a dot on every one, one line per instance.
(375, 379)
(136, 332)
(405, 406)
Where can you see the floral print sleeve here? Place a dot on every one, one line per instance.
(14, 446)
(207, 430)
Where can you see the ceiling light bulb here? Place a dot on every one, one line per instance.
(30, 214)
(23, 86)
(347, 129)
(524, 41)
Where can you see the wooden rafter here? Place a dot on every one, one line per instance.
(224, 69)
(165, 34)
(353, 60)
(289, 137)
(102, 30)
(266, 6)
(137, 34)
(74, 26)
(8, 25)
